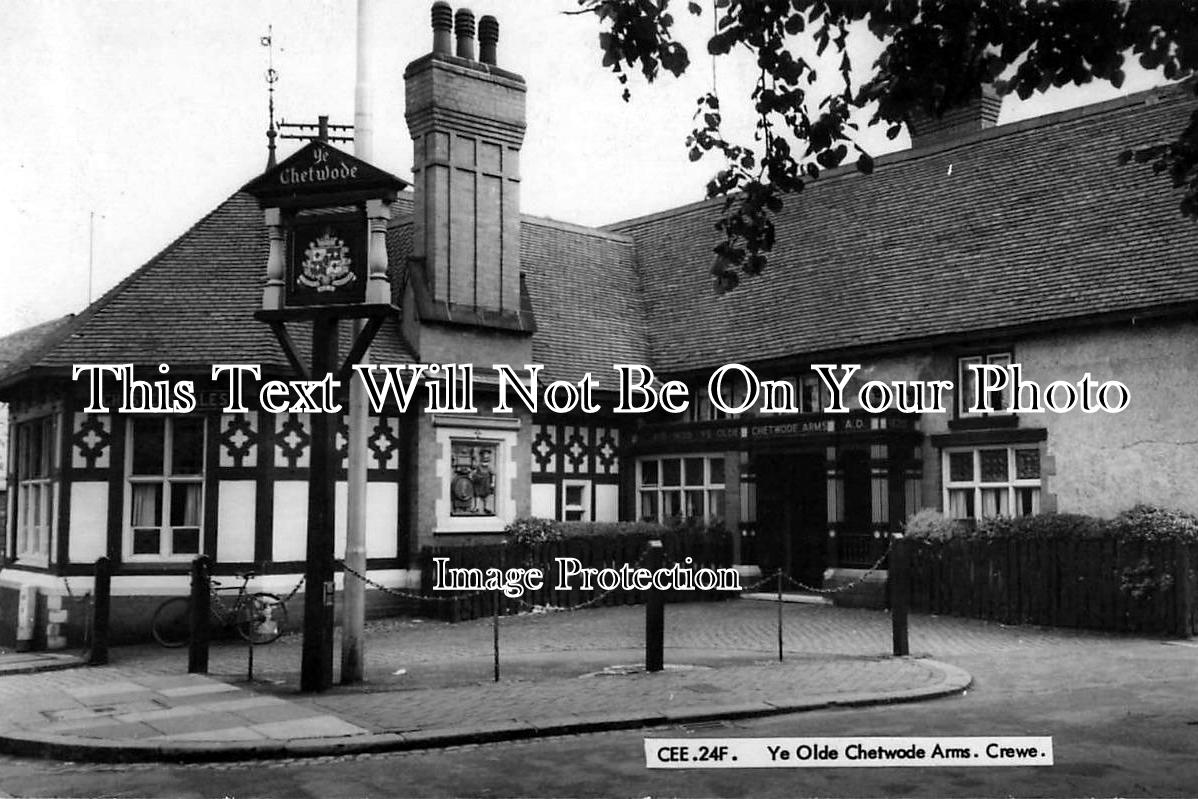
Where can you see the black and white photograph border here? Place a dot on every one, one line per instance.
(599, 397)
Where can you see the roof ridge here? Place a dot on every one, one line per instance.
(1162, 93)
(574, 227)
(402, 219)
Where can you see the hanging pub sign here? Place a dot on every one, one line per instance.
(326, 260)
(326, 216)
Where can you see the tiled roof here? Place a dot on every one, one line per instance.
(192, 305)
(1033, 223)
(27, 344)
(584, 293)
(586, 299)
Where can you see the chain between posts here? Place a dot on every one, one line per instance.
(600, 597)
(803, 586)
(589, 603)
(534, 608)
(71, 594)
(212, 589)
(294, 590)
(396, 592)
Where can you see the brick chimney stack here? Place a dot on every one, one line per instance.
(981, 113)
(467, 120)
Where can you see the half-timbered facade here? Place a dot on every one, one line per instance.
(1024, 244)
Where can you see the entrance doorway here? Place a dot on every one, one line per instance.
(792, 510)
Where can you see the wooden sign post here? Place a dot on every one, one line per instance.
(326, 216)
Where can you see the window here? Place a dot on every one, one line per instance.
(1001, 401)
(576, 501)
(35, 462)
(992, 481)
(472, 478)
(806, 394)
(166, 488)
(813, 395)
(690, 487)
(701, 408)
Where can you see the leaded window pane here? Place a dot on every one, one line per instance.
(960, 466)
(994, 465)
(1027, 464)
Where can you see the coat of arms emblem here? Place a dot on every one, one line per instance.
(327, 265)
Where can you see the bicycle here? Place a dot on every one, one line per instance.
(258, 618)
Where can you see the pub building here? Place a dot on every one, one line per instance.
(1028, 243)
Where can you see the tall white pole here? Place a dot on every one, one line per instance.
(91, 252)
(353, 607)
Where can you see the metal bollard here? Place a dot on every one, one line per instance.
(899, 584)
(655, 602)
(101, 605)
(495, 630)
(201, 607)
(779, 615)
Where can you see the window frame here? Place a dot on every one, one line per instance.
(583, 507)
(1012, 484)
(167, 480)
(994, 356)
(41, 482)
(658, 490)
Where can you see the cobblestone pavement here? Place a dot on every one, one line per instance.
(431, 682)
(1119, 708)
(441, 654)
(434, 678)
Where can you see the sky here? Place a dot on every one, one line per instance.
(126, 121)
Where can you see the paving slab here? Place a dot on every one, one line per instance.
(33, 662)
(238, 723)
(429, 684)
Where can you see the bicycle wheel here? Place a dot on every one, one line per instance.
(171, 626)
(262, 619)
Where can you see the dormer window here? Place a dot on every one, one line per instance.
(968, 374)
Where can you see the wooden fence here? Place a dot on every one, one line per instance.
(1098, 584)
(711, 549)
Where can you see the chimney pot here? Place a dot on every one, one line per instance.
(442, 15)
(463, 24)
(488, 38)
